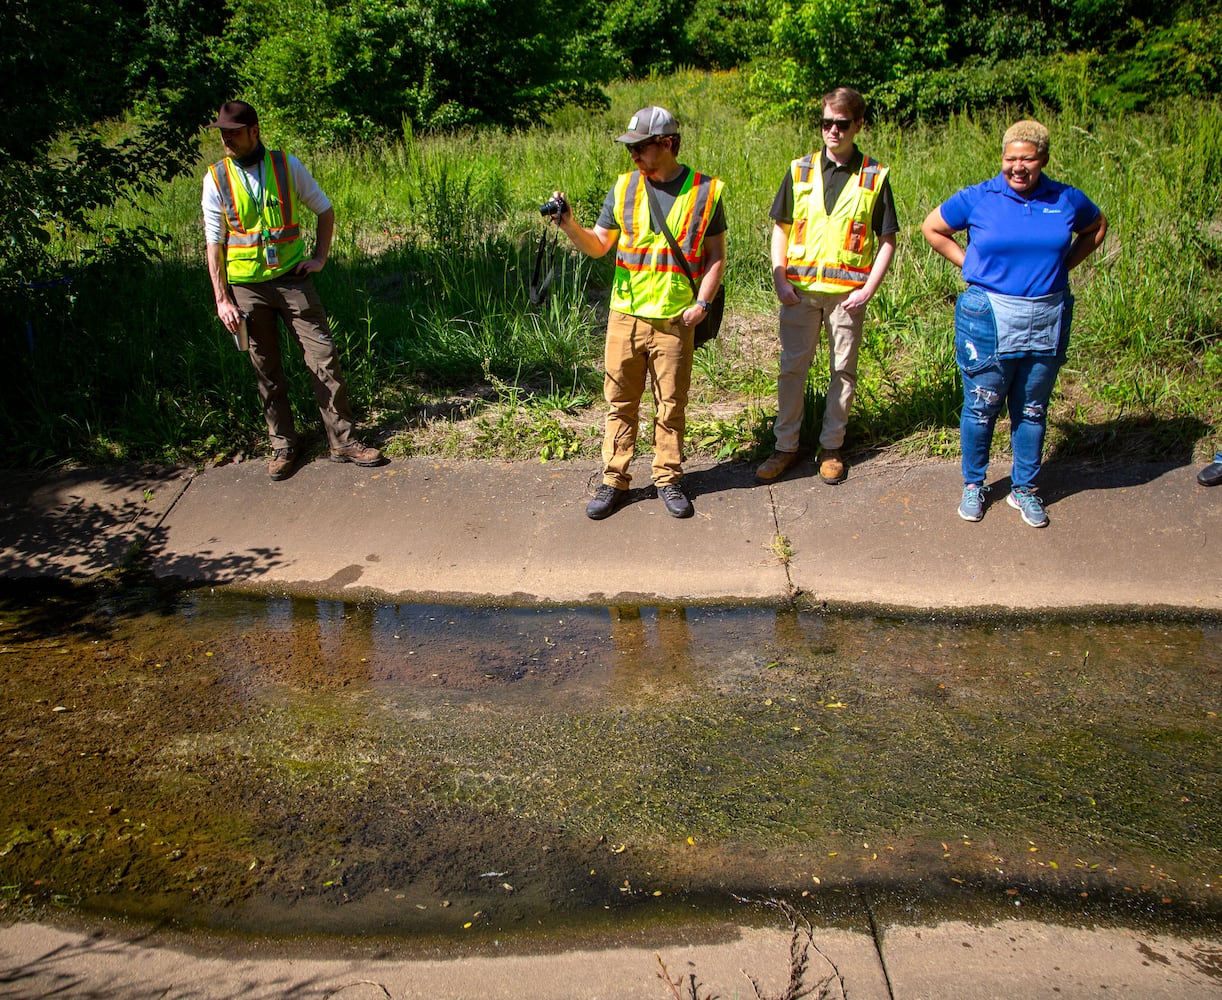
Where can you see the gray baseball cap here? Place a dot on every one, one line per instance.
(649, 122)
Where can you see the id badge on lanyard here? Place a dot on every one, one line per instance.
(271, 254)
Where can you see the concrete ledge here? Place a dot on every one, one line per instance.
(427, 530)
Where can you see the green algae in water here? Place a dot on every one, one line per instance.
(407, 769)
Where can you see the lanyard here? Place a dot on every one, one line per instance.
(271, 254)
(262, 197)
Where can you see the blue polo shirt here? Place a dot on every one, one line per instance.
(1017, 244)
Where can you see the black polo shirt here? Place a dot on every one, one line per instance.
(835, 177)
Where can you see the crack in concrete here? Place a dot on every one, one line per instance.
(878, 940)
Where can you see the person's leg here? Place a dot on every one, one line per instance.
(670, 376)
(984, 394)
(984, 382)
(844, 342)
(799, 332)
(1029, 393)
(305, 315)
(1028, 397)
(264, 352)
(623, 386)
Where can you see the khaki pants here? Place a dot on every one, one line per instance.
(296, 302)
(800, 326)
(662, 351)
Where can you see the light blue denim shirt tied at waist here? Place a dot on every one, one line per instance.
(1027, 325)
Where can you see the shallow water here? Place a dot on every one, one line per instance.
(285, 766)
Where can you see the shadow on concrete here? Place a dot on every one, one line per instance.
(107, 968)
(722, 478)
(1058, 481)
(1128, 440)
(78, 521)
(81, 525)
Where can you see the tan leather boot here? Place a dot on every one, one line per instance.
(776, 465)
(831, 467)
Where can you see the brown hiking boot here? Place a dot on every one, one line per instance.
(357, 454)
(283, 463)
(831, 467)
(776, 465)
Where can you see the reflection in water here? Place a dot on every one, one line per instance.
(653, 647)
(303, 764)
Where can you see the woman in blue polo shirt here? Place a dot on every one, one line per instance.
(1025, 233)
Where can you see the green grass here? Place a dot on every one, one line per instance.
(444, 353)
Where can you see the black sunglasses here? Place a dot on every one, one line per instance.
(840, 123)
(644, 144)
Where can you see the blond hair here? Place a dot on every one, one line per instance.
(1030, 131)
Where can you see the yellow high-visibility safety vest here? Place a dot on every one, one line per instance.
(249, 223)
(832, 253)
(649, 280)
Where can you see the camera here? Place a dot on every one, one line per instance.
(555, 207)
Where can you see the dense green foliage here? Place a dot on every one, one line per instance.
(659, 36)
(67, 147)
(923, 58)
(340, 70)
(360, 68)
(426, 287)
(439, 126)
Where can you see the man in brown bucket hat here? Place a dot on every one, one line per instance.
(260, 272)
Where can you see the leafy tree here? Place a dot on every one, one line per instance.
(341, 69)
(646, 35)
(916, 57)
(822, 44)
(722, 34)
(88, 124)
(659, 36)
(1184, 57)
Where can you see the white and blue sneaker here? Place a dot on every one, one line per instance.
(971, 508)
(1027, 502)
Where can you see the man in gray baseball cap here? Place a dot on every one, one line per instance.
(654, 305)
(649, 122)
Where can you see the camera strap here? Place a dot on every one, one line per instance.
(659, 220)
(539, 282)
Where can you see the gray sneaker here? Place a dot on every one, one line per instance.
(676, 501)
(971, 507)
(1027, 502)
(607, 500)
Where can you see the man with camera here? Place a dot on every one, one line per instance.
(654, 309)
(260, 272)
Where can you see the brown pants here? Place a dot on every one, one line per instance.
(296, 302)
(661, 350)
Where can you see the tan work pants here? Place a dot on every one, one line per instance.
(800, 326)
(660, 350)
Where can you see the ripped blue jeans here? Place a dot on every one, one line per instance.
(1023, 385)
